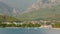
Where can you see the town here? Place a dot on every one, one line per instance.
(35, 23)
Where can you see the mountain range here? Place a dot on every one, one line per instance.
(15, 7)
(8, 10)
(45, 9)
(22, 5)
(41, 9)
(4, 9)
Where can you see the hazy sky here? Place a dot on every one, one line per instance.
(21, 4)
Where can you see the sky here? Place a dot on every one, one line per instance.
(21, 4)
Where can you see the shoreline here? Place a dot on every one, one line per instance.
(57, 28)
(31, 27)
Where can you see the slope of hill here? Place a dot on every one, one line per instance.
(7, 10)
(46, 9)
(7, 18)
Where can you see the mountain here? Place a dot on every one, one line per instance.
(20, 4)
(5, 9)
(44, 4)
(8, 10)
(14, 7)
(45, 9)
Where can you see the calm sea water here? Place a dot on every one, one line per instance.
(28, 31)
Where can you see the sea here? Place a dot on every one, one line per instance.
(29, 31)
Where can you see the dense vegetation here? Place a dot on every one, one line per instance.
(7, 18)
(56, 25)
(20, 25)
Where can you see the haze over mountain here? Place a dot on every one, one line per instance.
(36, 9)
(20, 4)
(43, 9)
(5, 9)
(8, 10)
(14, 7)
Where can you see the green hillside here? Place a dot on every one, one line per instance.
(7, 18)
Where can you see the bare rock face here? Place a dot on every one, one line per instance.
(45, 3)
(44, 9)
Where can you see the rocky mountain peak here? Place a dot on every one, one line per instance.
(45, 3)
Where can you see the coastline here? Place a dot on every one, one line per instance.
(32, 27)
